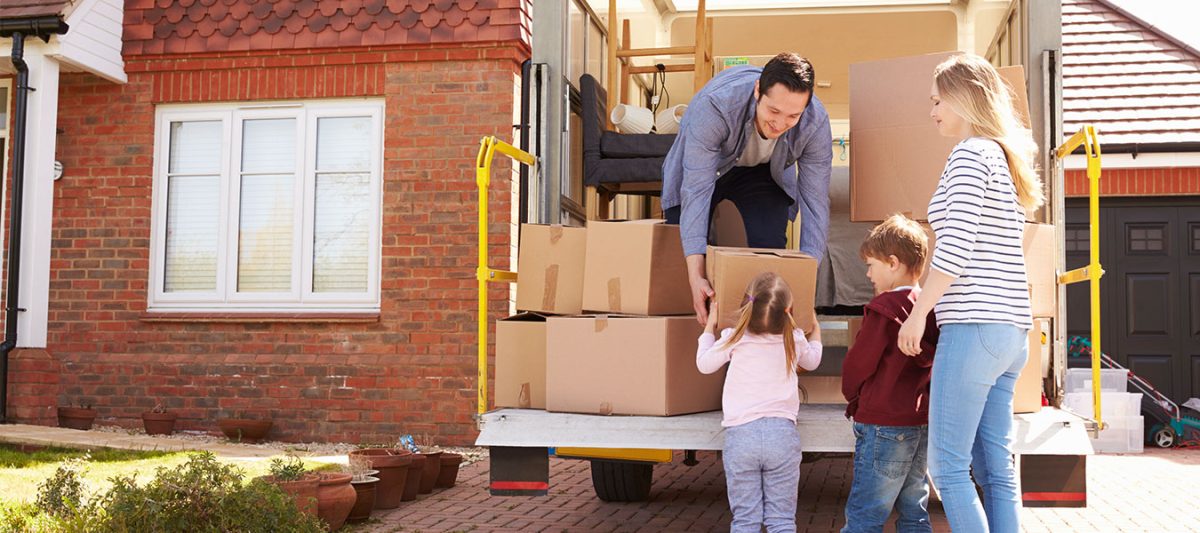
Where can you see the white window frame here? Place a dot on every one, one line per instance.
(300, 299)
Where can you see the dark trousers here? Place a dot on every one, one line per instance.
(762, 204)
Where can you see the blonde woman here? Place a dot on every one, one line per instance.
(978, 289)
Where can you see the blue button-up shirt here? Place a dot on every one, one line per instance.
(712, 136)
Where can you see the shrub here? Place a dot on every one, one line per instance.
(62, 494)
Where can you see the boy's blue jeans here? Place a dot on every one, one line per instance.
(970, 424)
(889, 471)
(762, 474)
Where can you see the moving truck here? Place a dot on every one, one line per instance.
(873, 63)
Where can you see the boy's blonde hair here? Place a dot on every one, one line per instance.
(900, 236)
(974, 89)
(764, 311)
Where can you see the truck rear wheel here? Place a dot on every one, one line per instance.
(622, 481)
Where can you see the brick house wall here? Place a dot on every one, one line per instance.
(334, 378)
(1178, 181)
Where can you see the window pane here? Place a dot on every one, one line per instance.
(344, 144)
(341, 233)
(3, 108)
(269, 145)
(192, 223)
(195, 147)
(595, 52)
(577, 32)
(265, 233)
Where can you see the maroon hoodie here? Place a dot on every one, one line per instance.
(884, 386)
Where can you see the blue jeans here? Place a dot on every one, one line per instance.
(970, 424)
(762, 474)
(889, 471)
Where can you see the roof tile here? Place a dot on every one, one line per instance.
(220, 25)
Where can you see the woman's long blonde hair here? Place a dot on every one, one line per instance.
(975, 90)
(766, 310)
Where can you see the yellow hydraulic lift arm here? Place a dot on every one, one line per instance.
(1086, 136)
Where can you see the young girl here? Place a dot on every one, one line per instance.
(760, 402)
(978, 288)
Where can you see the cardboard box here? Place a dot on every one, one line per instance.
(1041, 251)
(1027, 394)
(550, 269)
(636, 268)
(521, 361)
(730, 271)
(821, 389)
(898, 155)
(627, 366)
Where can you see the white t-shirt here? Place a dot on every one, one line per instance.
(758, 150)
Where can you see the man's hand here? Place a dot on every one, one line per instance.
(701, 289)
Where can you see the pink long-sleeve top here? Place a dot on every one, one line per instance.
(757, 385)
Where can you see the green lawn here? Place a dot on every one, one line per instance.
(21, 471)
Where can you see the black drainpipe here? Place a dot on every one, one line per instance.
(18, 29)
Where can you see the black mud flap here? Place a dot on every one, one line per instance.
(1054, 480)
(519, 471)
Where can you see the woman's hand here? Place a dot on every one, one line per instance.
(711, 325)
(911, 332)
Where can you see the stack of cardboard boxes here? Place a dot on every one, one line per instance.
(607, 324)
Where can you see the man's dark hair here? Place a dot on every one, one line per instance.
(793, 71)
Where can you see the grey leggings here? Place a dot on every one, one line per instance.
(762, 473)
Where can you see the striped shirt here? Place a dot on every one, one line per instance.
(978, 223)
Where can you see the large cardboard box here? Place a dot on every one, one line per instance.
(550, 269)
(1027, 394)
(898, 155)
(521, 361)
(627, 366)
(1040, 249)
(730, 271)
(821, 389)
(1041, 252)
(636, 268)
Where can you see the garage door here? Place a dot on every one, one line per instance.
(1150, 294)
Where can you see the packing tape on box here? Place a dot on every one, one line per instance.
(600, 322)
(614, 295)
(523, 400)
(605, 408)
(556, 233)
(550, 289)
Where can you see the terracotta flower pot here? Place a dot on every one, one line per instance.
(414, 478)
(159, 423)
(429, 476)
(449, 472)
(365, 501)
(76, 418)
(335, 497)
(392, 464)
(244, 429)
(303, 491)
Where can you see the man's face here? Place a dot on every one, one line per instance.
(778, 110)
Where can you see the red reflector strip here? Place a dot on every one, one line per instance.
(520, 485)
(1055, 496)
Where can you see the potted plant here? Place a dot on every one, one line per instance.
(449, 472)
(159, 421)
(245, 429)
(80, 417)
(433, 463)
(413, 478)
(363, 481)
(293, 479)
(392, 464)
(335, 497)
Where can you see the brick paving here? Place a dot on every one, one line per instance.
(1158, 491)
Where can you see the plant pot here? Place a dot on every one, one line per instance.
(76, 418)
(303, 491)
(244, 429)
(159, 423)
(414, 478)
(392, 464)
(449, 472)
(429, 476)
(365, 499)
(335, 497)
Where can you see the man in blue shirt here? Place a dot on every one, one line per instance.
(760, 138)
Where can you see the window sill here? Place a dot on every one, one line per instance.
(289, 317)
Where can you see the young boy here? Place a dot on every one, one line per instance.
(887, 391)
